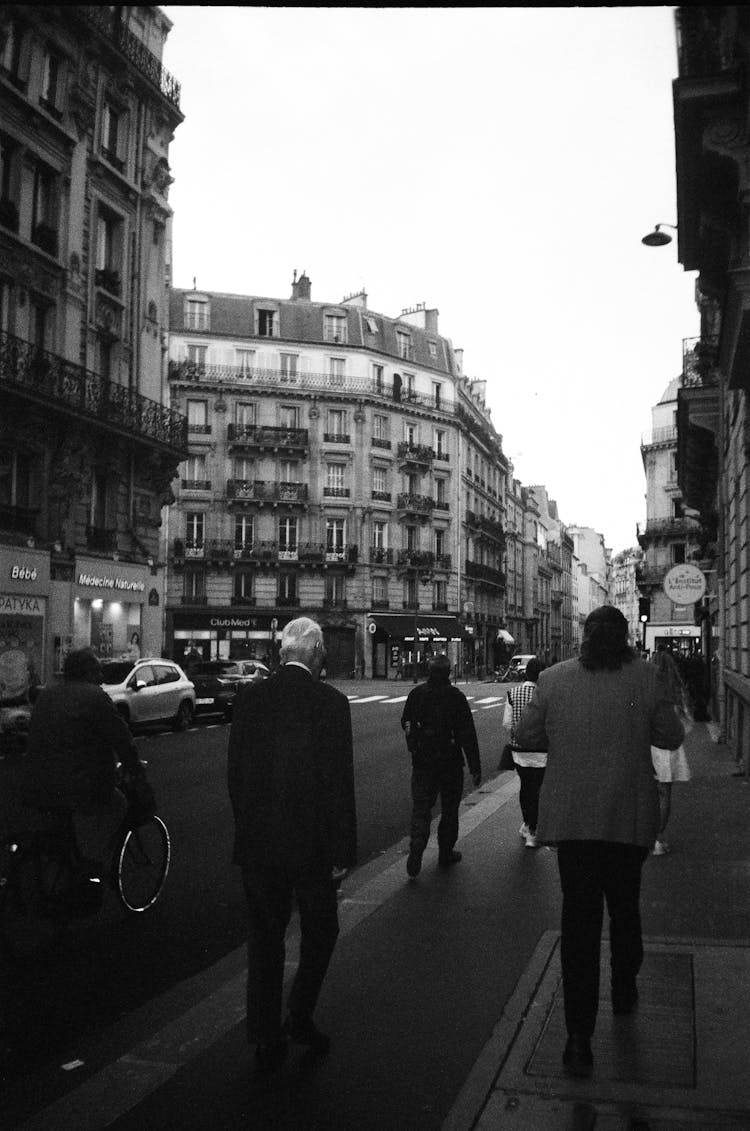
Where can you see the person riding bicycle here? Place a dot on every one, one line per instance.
(75, 739)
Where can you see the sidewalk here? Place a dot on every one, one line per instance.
(444, 1001)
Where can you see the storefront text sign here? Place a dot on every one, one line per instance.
(120, 583)
(685, 584)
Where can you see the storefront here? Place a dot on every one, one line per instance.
(683, 640)
(24, 616)
(223, 635)
(394, 652)
(116, 610)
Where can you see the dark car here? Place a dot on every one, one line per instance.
(218, 681)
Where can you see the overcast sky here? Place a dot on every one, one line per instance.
(498, 164)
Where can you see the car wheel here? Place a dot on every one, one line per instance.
(184, 715)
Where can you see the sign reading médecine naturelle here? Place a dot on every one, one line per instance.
(685, 584)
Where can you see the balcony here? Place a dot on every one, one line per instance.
(342, 555)
(477, 571)
(414, 455)
(705, 43)
(683, 527)
(108, 280)
(52, 381)
(443, 561)
(335, 603)
(261, 491)
(380, 556)
(379, 442)
(336, 492)
(261, 439)
(420, 505)
(101, 538)
(415, 559)
(108, 22)
(219, 550)
(336, 438)
(195, 484)
(189, 548)
(311, 553)
(381, 496)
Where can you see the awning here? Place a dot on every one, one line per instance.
(428, 627)
(504, 636)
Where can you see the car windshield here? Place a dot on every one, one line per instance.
(216, 667)
(117, 671)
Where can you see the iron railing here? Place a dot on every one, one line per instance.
(108, 21)
(267, 436)
(53, 380)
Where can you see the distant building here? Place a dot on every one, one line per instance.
(624, 589)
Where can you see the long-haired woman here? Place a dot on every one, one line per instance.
(669, 765)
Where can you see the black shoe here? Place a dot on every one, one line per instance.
(304, 1031)
(414, 863)
(624, 999)
(578, 1059)
(445, 859)
(271, 1055)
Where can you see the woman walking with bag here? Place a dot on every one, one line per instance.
(529, 764)
(669, 765)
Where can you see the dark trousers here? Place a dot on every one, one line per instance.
(590, 872)
(269, 893)
(446, 778)
(531, 782)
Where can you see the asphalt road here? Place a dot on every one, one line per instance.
(114, 963)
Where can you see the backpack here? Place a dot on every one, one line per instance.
(434, 730)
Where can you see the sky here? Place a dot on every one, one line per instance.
(498, 164)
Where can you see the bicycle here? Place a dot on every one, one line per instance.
(46, 883)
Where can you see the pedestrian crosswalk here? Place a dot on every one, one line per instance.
(486, 703)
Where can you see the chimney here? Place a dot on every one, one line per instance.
(295, 285)
(303, 287)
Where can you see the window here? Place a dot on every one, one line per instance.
(437, 392)
(244, 531)
(245, 361)
(335, 589)
(197, 356)
(108, 250)
(113, 136)
(411, 535)
(51, 83)
(194, 585)
(679, 555)
(104, 358)
(439, 543)
(440, 594)
(440, 496)
(334, 328)
(197, 314)
(288, 471)
(244, 414)
(289, 366)
(14, 54)
(336, 372)
(195, 472)
(16, 479)
(441, 449)
(44, 209)
(243, 585)
(410, 434)
(403, 344)
(287, 537)
(194, 530)
(39, 321)
(9, 182)
(678, 510)
(379, 484)
(268, 324)
(432, 349)
(380, 535)
(335, 477)
(411, 593)
(379, 591)
(287, 592)
(378, 377)
(98, 507)
(336, 423)
(412, 484)
(372, 326)
(380, 431)
(335, 535)
(288, 416)
(197, 414)
(408, 388)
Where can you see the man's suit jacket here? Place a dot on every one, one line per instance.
(291, 774)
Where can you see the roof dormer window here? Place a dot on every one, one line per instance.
(197, 312)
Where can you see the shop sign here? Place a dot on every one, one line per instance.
(685, 584)
(23, 570)
(91, 581)
(21, 644)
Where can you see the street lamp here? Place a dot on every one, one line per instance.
(658, 238)
(644, 621)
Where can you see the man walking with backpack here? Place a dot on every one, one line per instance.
(440, 732)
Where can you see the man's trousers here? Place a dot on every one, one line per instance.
(269, 890)
(590, 872)
(446, 778)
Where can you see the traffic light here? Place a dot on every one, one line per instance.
(644, 609)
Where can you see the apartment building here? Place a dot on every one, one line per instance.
(341, 466)
(88, 446)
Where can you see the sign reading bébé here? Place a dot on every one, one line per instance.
(685, 584)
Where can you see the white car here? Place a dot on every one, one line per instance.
(150, 691)
(518, 664)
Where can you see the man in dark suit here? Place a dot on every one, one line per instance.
(291, 784)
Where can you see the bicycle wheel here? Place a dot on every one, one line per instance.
(142, 865)
(26, 929)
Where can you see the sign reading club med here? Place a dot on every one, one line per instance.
(685, 584)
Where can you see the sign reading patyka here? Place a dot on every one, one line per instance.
(685, 584)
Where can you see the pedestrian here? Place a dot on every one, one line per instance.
(599, 715)
(669, 765)
(75, 740)
(440, 732)
(291, 784)
(529, 763)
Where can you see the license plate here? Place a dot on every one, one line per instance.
(203, 702)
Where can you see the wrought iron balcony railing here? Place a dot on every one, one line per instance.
(258, 490)
(108, 21)
(379, 555)
(52, 380)
(415, 453)
(480, 572)
(666, 527)
(419, 504)
(267, 437)
(416, 559)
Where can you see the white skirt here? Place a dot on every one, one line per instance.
(670, 765)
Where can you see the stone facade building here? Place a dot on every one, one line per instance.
(340, 466)
(88, 445)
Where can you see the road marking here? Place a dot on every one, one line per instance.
(398, 699)
(489, 699)
(366, 699)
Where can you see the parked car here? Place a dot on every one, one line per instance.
(517, 668)
(218, 681)
(150, 691)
